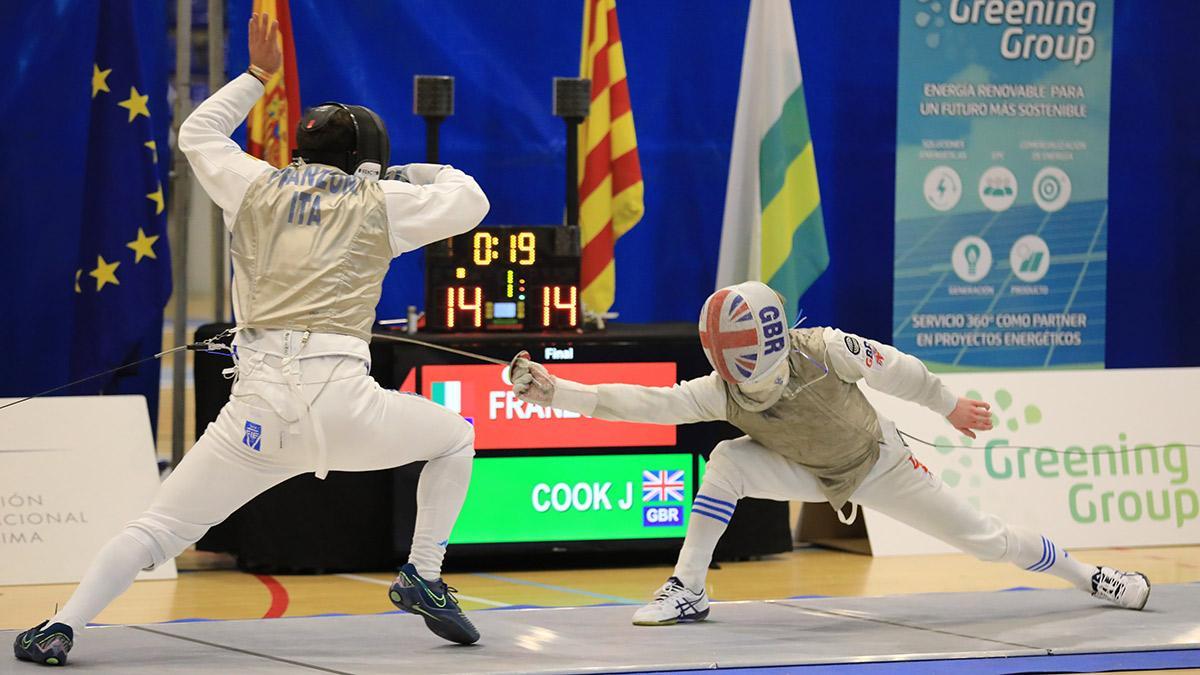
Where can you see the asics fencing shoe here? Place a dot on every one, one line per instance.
(1124, 589)
(435, 601)
(673, 603)
(45, 644)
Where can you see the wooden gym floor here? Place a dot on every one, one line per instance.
(202, 592)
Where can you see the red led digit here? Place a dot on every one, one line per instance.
(476, 305)
(456, 301)
(560, 299)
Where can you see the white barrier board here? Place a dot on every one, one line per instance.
(73, 471)
(1089, 476)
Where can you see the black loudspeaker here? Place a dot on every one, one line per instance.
(433, 95)
(572, 97)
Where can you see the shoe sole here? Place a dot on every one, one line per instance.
(440, 628)
(52, 661)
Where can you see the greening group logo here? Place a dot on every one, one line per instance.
(1167, 498)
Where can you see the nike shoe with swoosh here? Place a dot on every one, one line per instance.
(435, 601)
(45, 644)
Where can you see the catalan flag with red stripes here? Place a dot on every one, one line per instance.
(610, 184)
(271, 129)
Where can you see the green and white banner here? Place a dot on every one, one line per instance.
(1002, 182)
(1101, 457)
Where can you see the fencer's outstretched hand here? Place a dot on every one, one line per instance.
(969, 415)
(265, 52)
(531, 382)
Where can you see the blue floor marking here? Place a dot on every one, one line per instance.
(1079, 663)
(562, 589)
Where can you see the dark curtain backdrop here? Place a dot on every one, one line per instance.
(684, 60)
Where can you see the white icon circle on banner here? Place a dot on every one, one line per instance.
(998, 188)
(943, 188)
(1030, 258)
(1051, 188)
(971, 259)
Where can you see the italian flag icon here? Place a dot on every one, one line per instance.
(448, 394)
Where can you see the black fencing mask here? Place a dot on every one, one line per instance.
(363, 152)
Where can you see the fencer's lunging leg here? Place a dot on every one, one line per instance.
(908, 492)
(210, 483)
(737, 468)
(441, 491)
(111, 573)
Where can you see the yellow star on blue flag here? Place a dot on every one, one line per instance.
(123, 247)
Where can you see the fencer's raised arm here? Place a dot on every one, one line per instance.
(430, 202)
(887, 369)
(698, 400)
(223, 170)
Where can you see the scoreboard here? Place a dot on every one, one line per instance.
(504, 279)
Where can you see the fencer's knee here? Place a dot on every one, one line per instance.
(994, 542)
(163, 537)
(722, 470)
(466, 445)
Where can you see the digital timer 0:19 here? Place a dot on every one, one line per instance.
(501, 278)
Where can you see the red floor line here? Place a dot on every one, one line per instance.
(279, 596)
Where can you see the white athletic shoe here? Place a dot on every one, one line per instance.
(673, 603)
(1124, 589)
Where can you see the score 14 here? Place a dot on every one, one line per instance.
(467, 299)
(562, 302)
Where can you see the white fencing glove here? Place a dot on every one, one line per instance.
(531, 382)
(416, 173)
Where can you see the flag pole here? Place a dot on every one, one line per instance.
(216, 79)
(179, 211)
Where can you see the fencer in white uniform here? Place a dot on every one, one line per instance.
(311, 244)
(811, 435)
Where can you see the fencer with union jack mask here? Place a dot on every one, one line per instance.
(311, 245)
(811, 435)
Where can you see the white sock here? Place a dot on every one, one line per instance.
(1039, 554)
(111, 573)
(440, 495)
(710, 516)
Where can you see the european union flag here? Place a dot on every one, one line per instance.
(123, 273)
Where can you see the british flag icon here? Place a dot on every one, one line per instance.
(729, 335)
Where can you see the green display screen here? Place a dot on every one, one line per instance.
(576, 498)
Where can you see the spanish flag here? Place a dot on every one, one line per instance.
(610, 183)
(272, 125)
